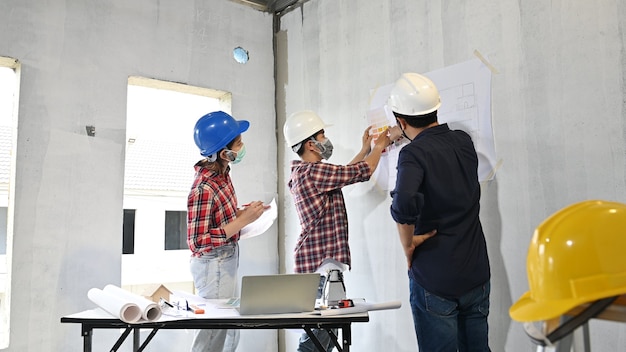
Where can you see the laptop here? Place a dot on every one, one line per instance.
(280, 293)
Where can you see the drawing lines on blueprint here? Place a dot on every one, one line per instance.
(459, 108)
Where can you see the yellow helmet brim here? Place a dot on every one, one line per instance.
(527, 309)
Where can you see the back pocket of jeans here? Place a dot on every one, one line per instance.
(439, 305)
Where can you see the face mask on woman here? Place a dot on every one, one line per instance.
(236, 157)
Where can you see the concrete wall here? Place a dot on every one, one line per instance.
(558, 117)
(76, 58)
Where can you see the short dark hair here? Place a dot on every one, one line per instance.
(313, 136)
(418, 121)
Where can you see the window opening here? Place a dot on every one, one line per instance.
(9, 96)
(128, 235)
(160, 154)
(175, 230)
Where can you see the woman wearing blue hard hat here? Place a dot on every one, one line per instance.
(214, 219)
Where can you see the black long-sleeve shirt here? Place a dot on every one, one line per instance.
(437, 188)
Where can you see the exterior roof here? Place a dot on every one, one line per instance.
(5, 154)
(150, 165)
(153, 165)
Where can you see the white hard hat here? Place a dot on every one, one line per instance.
(302, 125)
(414, 94)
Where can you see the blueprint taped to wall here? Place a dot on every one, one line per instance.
(465, 90)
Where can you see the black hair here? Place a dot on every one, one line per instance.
(418, 121)
(311, 137)
(231, 143)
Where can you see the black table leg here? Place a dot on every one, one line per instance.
(313, 338)
(346, 334)
(87, 337)
(147, 340)
(136, 339)
(121, 339)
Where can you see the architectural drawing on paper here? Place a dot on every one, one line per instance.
(460, 110)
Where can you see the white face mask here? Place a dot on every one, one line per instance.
(325, 148)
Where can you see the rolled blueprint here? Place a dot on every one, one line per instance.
(150, 311)
(360, 307)
(120, 308)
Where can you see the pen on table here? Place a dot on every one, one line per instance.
(166, 302)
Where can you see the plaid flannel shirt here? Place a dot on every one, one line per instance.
(316, 191)
(211, 204)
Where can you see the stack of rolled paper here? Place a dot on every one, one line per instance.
(125, 305)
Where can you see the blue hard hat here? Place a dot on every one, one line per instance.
(215, 130)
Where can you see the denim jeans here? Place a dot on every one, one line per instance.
(445, 325)
(215, 276)
(305, 342)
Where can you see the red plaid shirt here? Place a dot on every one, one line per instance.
(211, 204)
(316, 191)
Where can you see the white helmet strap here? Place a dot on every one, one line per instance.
(212, 158)
(296, 147)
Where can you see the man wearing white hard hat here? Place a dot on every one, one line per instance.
(436, 208)
(316, 189)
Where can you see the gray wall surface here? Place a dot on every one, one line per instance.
(558, 106)
(558, 114)
(76, 58)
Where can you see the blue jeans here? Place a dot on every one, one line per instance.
(445, 325)
(305, 342)
(215, 276)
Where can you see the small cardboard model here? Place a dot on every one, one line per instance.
(155, 292)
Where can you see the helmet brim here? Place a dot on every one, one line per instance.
(307, 137)
(243, 125)
(527, 309)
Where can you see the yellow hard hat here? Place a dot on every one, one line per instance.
(576, 256)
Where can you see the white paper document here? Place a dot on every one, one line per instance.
(262, 224)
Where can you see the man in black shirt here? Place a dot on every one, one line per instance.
(436, 208)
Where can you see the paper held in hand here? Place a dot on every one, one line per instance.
(262, 224)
